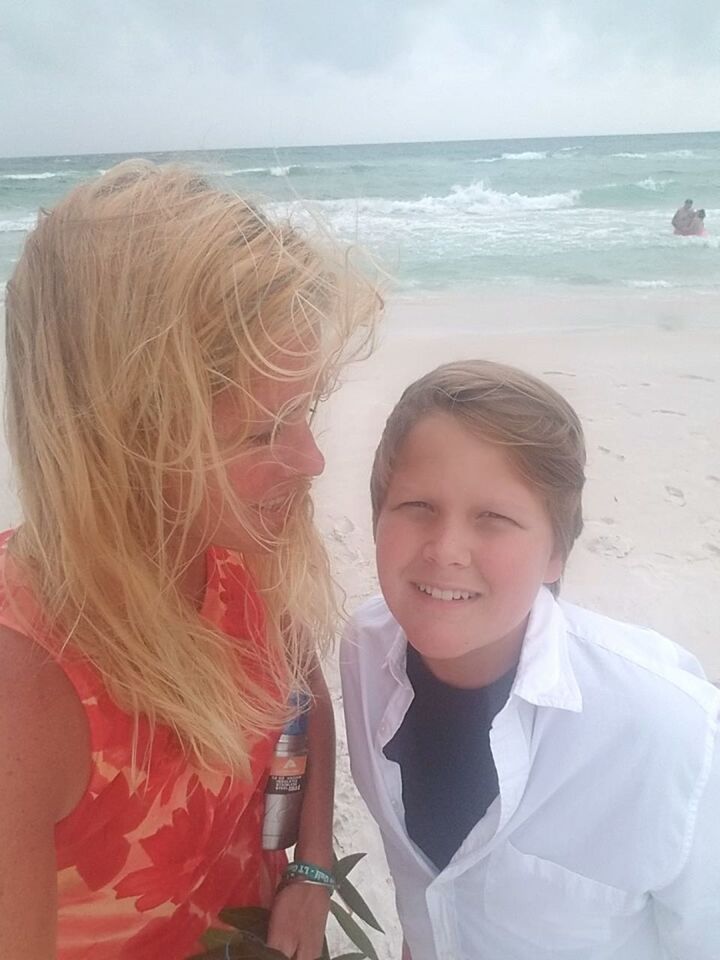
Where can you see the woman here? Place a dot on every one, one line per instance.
(166, 589)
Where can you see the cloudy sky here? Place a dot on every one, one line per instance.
(87, 76)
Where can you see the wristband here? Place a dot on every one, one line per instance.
(309, 873)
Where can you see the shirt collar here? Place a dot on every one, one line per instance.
(545, 675)
(396, 659)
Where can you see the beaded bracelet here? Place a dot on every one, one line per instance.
(300, 871)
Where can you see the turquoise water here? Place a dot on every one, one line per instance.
(578, 211)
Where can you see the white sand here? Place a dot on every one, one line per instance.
(643, 371)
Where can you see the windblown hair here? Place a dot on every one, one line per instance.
(137, 301)
(540, 431)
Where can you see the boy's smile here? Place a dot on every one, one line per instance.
(463, 546)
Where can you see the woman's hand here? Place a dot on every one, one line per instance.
(298, 919)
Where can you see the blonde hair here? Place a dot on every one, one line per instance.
(500, 404)
(137, 301)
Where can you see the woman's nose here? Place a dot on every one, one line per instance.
(305, 457)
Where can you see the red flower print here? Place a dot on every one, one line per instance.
(187, 851)
(93, 838)
(171, 938)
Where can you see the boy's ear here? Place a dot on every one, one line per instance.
(555, 567)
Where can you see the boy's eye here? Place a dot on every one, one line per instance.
(418, 504)
(491, 515)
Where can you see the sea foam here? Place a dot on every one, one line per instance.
(32, 176)
(18, 224)
(526, 155)
(476, 198)
(649, 184)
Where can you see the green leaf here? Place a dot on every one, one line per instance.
(352, 898)
(243, 950)
(238, 944)
(247, 919)
(350, 956)
(343, 867)
(217, 953)
(255, 950)
(325, 955)
(351, 929)
(218, 938)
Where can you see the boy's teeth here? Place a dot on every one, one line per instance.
(438, 594)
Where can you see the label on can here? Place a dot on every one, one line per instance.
(286, 774)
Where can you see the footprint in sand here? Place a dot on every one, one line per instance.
(696, 376)
(712, 478)
(611, 453)
(610, 546)
(342, 528)
(675, 495)
(712, 548)
(342, 532)
(558, 373)
(677, 413)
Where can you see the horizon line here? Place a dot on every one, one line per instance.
(363, 143)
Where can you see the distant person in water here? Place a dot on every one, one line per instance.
(683, 218)
(697, 224)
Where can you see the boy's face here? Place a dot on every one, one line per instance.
(463, 546)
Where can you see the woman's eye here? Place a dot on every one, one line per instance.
(260, 439)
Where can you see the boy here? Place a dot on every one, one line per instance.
(546, 780)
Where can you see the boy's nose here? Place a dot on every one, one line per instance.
(447, 548)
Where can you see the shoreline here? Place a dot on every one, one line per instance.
(564, 308)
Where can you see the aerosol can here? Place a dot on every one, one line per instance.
(284, 790)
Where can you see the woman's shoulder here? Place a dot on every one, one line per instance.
(44, 738)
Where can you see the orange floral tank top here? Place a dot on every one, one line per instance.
(143, 872)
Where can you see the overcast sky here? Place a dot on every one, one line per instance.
(97, 76)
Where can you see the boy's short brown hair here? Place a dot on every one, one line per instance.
(501, 404)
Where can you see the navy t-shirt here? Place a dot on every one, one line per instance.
(443, 748)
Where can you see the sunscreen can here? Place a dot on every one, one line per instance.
(284, 790)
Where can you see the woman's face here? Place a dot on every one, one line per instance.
(271, 471)
(274, 466)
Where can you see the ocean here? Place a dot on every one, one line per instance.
(573, 211)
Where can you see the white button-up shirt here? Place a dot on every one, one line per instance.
(604, 841)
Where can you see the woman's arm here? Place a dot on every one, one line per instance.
(44, 765)
(315, 836)
(299, 913)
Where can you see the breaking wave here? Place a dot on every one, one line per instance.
(32, 176)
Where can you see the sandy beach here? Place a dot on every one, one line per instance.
(643, 371)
